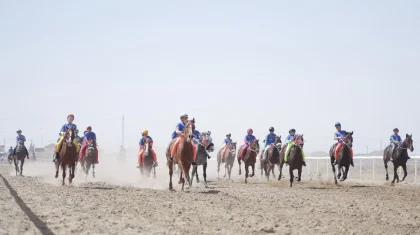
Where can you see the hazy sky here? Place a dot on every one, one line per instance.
(230, 64)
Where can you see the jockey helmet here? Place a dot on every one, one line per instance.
(144, 132)
(337, 124)
(18, 131)
(396, 129)
(292, 131)
(182, 115)
(70, 115)
(89, 128)
(208, 132)
(228, 134)
(250, 131)
(271, 129)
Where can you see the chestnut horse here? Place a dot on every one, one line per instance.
(147, 164)
(184, 155)
(89, 158)
(68, 156)
(250, 158)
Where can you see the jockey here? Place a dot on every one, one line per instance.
(142, 144)
(248, 139)
(89, 136)
(78, 138)
(290, 143)
(64, 128)
(339, 135)
(228, 142)
(395, 140)
(196, 135)
(20, 138)
(269, 140)
(10, 151)
(177, 133)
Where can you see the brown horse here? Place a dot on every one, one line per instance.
(294, 160)
(147, 164)
(272, 157)
(184, 155)
(344, 157)
(68, 155)
(228, 159)
(400, 157)
(250, 158)
(89, 159)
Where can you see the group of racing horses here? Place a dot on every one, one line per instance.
(275, 156)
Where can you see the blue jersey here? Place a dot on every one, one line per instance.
(270, 139)
(68, 126)
(249, 138)
(228, 141)
(180, 126)
(395, 137)
(196, 134)
(90, 136)
(340, 134)
(142, 141)
(20, 138)
(290, 138)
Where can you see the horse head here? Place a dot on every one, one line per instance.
(299, 140)
(19, 145)
(69, 137)
(189, 130)
(408, 142)
(255, 145)
(277, 141)
(348, 139)
(233, 146)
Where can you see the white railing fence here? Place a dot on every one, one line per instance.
(366, 168)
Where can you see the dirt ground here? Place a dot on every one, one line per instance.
(118, 201)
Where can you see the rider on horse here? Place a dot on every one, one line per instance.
(142, 143)
(20, 138)
(89, 136)
(248, 140)
(10, 151)
(228, 143)
(63, 130)
(395, 141)
(269, 141)
(290, 144)
(177, 134)
(339, 136)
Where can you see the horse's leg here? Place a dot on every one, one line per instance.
(93, 170)
(21, 166)
(299, 174)
(339, 171)
(239, 162)
(63, 167)
(403, 166)
(253, 170)
(229, 169)
(280, 171)
(246, 173)
(272, 170)
(226, 168)
(386, 170)
(395, 174)
(346, 171)
(205, 174)
(57, 166)
(194, 170)
(291, 175)
(181, 180)
(196, 174)
(333, 169)
(16, 165)
(171, 171)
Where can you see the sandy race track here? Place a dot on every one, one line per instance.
(119, 202)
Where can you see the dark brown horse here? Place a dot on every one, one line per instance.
(272, 157)
(249, 159)
(89, 159)
(20, 158)
(68, 156)
(184, 155)
(400, 157)
(228, 159)
(294, 160)
(344, 157)
(147, 164)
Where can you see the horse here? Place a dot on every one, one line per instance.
(184, 155)
(68, 155)
(147, 164)
(89, 159)
(344, 157)
(228, 159)
(204, 144)
(249, 159)
(10, 159)
(273, 158)
(20, 157)
(400, 157)
(294, 160)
